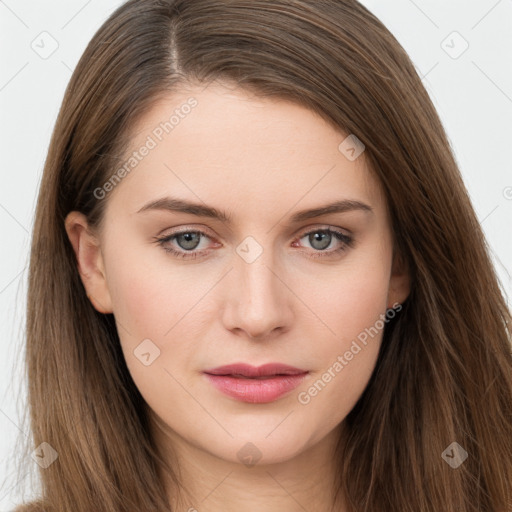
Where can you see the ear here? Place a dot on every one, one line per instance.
(400, 281)
(89, 261)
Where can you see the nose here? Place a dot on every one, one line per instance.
(259, 303)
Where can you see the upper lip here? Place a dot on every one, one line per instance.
(247, 370)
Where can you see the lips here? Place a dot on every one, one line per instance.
(252, 384)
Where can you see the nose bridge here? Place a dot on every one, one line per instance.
(255, 258)
(260, 287)
(259, 301)
(259, 279)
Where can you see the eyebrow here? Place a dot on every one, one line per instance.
(202, 210)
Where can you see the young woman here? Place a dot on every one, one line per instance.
(256, 280)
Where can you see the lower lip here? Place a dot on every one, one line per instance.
(256, 391)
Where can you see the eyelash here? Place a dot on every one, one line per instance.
(347, 242)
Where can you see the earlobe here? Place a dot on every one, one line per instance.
(90, 263)
(400, 281)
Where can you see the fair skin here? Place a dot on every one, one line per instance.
(260, 161)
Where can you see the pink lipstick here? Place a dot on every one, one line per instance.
(255, 384)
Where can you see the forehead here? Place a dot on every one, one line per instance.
(244, 153)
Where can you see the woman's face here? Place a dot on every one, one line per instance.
(252, 275)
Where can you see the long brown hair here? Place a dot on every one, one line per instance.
(444, 369)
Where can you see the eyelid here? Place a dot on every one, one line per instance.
(322, 227)
(186, 229)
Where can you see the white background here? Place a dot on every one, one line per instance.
(473, 95)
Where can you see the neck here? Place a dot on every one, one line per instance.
(207, 482)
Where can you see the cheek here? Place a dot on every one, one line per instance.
(139, 305)
(330, 395)
(150, 294)
(156, 300)
(152, 322)
(353, 308)
(352, 298)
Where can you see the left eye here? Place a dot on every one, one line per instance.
(320, 240)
